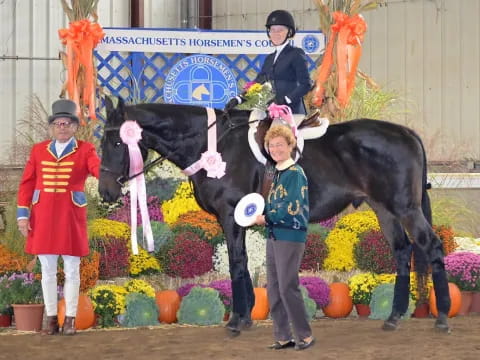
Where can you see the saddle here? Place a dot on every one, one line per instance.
(303, 122)
(309, 127)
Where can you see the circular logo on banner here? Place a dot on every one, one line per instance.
(200, 80)
(310, 43)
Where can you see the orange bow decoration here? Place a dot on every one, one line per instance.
(80, 39)
(348, 31)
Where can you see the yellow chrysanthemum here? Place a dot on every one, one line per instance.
(101, 302)
(104, 228)
(361, 287)
(340, 244)
(386, 278)
(254, 89)
(140, 286)
(182, 202)
(359, 222)
(143, 263)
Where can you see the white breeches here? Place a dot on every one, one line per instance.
(71, 268)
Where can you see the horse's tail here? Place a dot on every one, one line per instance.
(426, 207)
(420, 258)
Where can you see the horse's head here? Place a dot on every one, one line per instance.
(115, 159)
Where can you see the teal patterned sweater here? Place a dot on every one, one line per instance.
(287, 209)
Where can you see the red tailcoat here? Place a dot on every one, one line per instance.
(52, 190)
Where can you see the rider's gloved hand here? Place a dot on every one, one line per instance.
(233, 102)
(284, 100)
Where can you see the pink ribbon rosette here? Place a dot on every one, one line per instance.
(213, 164)
(285, 113)
(211, 160)
(131, 134)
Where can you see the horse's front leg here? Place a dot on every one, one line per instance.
(242, 288)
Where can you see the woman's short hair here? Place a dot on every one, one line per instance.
(283, 131)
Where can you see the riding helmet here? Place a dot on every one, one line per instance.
(281, 17)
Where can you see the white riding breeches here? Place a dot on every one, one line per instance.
(71, 268)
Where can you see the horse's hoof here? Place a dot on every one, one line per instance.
(443, 329)
(238, 323)
(233, 333)
(233, 323)
(246, 324)
(389, 325)
(441, 324)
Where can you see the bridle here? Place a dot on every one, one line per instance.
(230, 125)
(122, 178)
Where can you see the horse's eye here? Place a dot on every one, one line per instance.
(118, 143)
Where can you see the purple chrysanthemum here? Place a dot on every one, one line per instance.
(317, 288)
(463, 269)
(184, 290)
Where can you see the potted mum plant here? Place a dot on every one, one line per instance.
(6, 310)
(361, 288)
(463, 269)
(24, 293)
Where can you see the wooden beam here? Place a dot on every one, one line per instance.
(136, 13)
(205, 14)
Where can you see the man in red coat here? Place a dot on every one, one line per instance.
(52, 210)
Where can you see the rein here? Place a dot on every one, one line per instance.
(230, 126)
(122, 179)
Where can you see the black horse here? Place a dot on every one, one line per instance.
(372, 161)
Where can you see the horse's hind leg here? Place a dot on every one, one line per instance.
(432, 249)
(402, 251)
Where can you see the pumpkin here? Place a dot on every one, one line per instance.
(455, 297)
(168, 303)
(261, 308)
(340, 304)
(85, 317)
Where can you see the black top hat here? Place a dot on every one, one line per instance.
(63, 108)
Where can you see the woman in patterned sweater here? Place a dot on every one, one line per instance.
(286, 218)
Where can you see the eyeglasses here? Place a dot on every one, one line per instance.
(279, 145)
(63, 124)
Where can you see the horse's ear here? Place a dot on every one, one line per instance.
(108, 105)
(121, 105)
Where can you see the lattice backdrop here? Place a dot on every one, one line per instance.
(139, 77)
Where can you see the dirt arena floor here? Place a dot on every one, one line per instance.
(343, 339)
